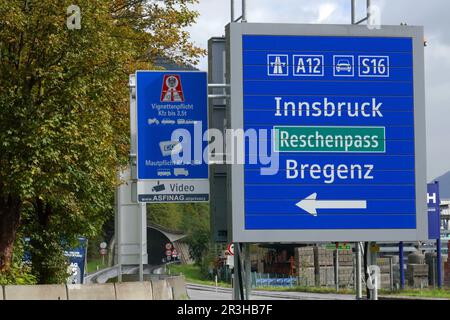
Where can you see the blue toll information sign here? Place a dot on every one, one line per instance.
(77, 260)
(171, 123)
(343, 112)
(434, 211)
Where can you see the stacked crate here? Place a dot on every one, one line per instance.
(417, 275)
(304, 263)
(417, 271)
(447, 269)
(345, 268)
(324, 266)
(385, 272)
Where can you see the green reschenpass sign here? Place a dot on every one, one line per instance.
(340, 247)
(330, 139)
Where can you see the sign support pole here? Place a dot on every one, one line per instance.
(358, 285)
(336, 267)
(401, 265)
(374, 277)
(439, 263)
(244, 11)
(236, 273)
(142, 215)
(247, 265)
(232, 10)
(368, 14)
(118, 233)
(353, 11)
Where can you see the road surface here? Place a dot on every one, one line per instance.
(202, 292)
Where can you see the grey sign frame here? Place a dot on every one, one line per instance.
(236, 213)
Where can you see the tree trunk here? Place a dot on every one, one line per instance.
(10, 207)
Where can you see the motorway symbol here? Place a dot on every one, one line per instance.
(310, 204)
(277, 64)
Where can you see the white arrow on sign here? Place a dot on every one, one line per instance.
(311, 204)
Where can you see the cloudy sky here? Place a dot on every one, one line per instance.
(432, 14)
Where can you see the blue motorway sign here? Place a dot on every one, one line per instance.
(76, 258)
(169, 101)
(77, 261)
(341, 112)
(434, 211)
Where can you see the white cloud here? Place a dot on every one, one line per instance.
(325, 11)
(433, 14)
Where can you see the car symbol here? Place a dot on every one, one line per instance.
(168, 121)
(180, 172)
(164, 173)
(343, 65)
(153, 121)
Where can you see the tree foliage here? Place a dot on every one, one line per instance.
(64, 110)
(190, 218)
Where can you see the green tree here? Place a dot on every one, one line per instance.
(196, 222)
(64, 112)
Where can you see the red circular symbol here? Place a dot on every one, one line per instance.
(168, 253)
(230, 249)
(168, 246)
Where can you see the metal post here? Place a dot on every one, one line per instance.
(353, 11)
(375, 287)
(232, 10)
(433, 271)
(244, 11)
(336, 269)
(142, 214)
(439, 262)
(401, 265)
(236, 271)
(248, 270)
(118, 234)
(369, 12)
(358, 278)
(391, 273)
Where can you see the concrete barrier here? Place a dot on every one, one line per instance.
(134, 291)
(36, 292)
(169, 288)
(103, 291)
(178, 285)
(161, 290)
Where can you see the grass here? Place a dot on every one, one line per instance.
(307, 289)
(92, 265)
(422, 293)
(193, 274)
